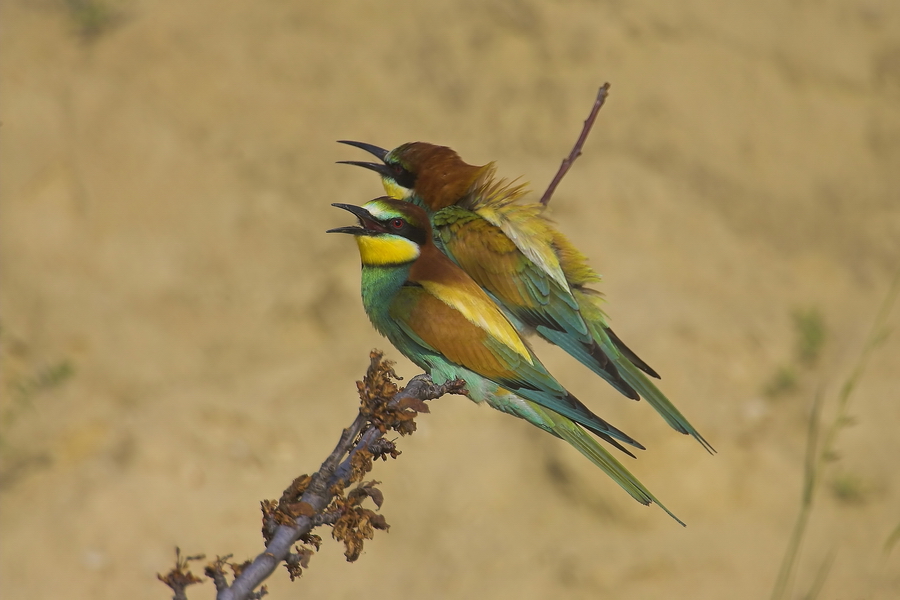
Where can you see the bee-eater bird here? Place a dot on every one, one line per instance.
(440, 319)
(513, 251)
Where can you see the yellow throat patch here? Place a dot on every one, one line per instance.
(386, 250)
(394, 190)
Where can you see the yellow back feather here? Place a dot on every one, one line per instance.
(524, 224)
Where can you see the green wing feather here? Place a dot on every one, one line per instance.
(444, 332)
(570, 317)
(526, 291)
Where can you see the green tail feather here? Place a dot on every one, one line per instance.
(630, 355)
(630, 372)
(647, 390)
(659, 402)
(577, 350)
(597, 454)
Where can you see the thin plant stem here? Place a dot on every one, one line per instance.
(821, 576)
(815, 460)
(786, 572)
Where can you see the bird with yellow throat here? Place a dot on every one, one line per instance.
(520, 259)
(439, 318)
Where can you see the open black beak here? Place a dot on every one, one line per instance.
(368, 222)
(381, 169)
(380, 153)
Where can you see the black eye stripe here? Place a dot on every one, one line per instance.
(401, 227)
(403, 177)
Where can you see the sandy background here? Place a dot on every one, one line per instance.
(167, 170)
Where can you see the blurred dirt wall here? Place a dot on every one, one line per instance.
(180, 337)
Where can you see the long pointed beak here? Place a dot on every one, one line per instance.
(368, 222)
(349, 229)
(379, 168)
(358, 211)
(380, 153)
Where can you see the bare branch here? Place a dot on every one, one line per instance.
(576, 150)
(313, 501)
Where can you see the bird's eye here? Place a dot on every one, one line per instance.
(397, 223)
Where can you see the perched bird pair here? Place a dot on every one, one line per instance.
(453, 270)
